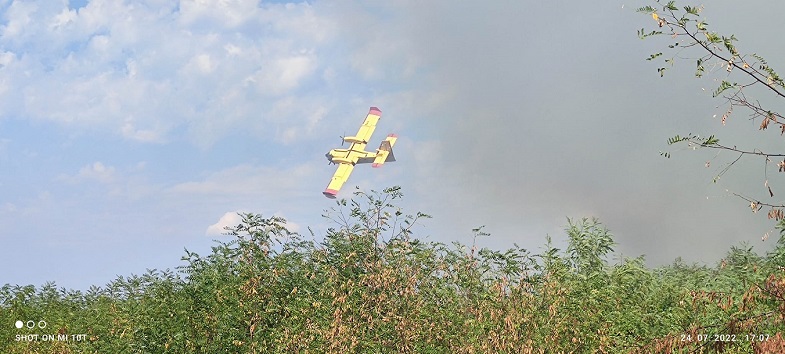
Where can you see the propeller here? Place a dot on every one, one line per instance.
(342, 139)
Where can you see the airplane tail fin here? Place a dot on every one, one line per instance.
(385, 151)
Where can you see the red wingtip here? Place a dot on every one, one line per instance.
(375, 165)
(330, 193)
(392, 136)
(375, 111)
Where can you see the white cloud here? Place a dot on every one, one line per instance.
(201, 64)
(19, 15)
(229, 219)
(290, 225)
(282, 75)
(130, 131)
(232, 219)
(143, 70)
(6, 58)
(98, 172)
(231, 13)
(64, 18)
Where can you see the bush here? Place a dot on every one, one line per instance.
(370, 286)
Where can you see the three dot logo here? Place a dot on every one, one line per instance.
(30, 324)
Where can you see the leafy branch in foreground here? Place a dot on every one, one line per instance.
(375, 214)
(739, 75)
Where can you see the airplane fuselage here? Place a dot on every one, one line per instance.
(349, 156)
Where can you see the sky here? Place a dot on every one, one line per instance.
(132, 130)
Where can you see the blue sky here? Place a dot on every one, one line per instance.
(130, 130)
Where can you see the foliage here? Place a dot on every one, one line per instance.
(368, 285)
(746, 82)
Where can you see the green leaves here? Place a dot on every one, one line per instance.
(646, 9)
(724, 85)
(700, 69)
(772, 77)
(728, 43)
(678, 139)
(711, 140)
(692, 10)
(642, 34)
(712, 37)
(589, 243)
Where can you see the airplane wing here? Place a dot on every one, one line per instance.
(339, 178)
(366, 130)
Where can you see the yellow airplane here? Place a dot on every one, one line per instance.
(347, 158)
